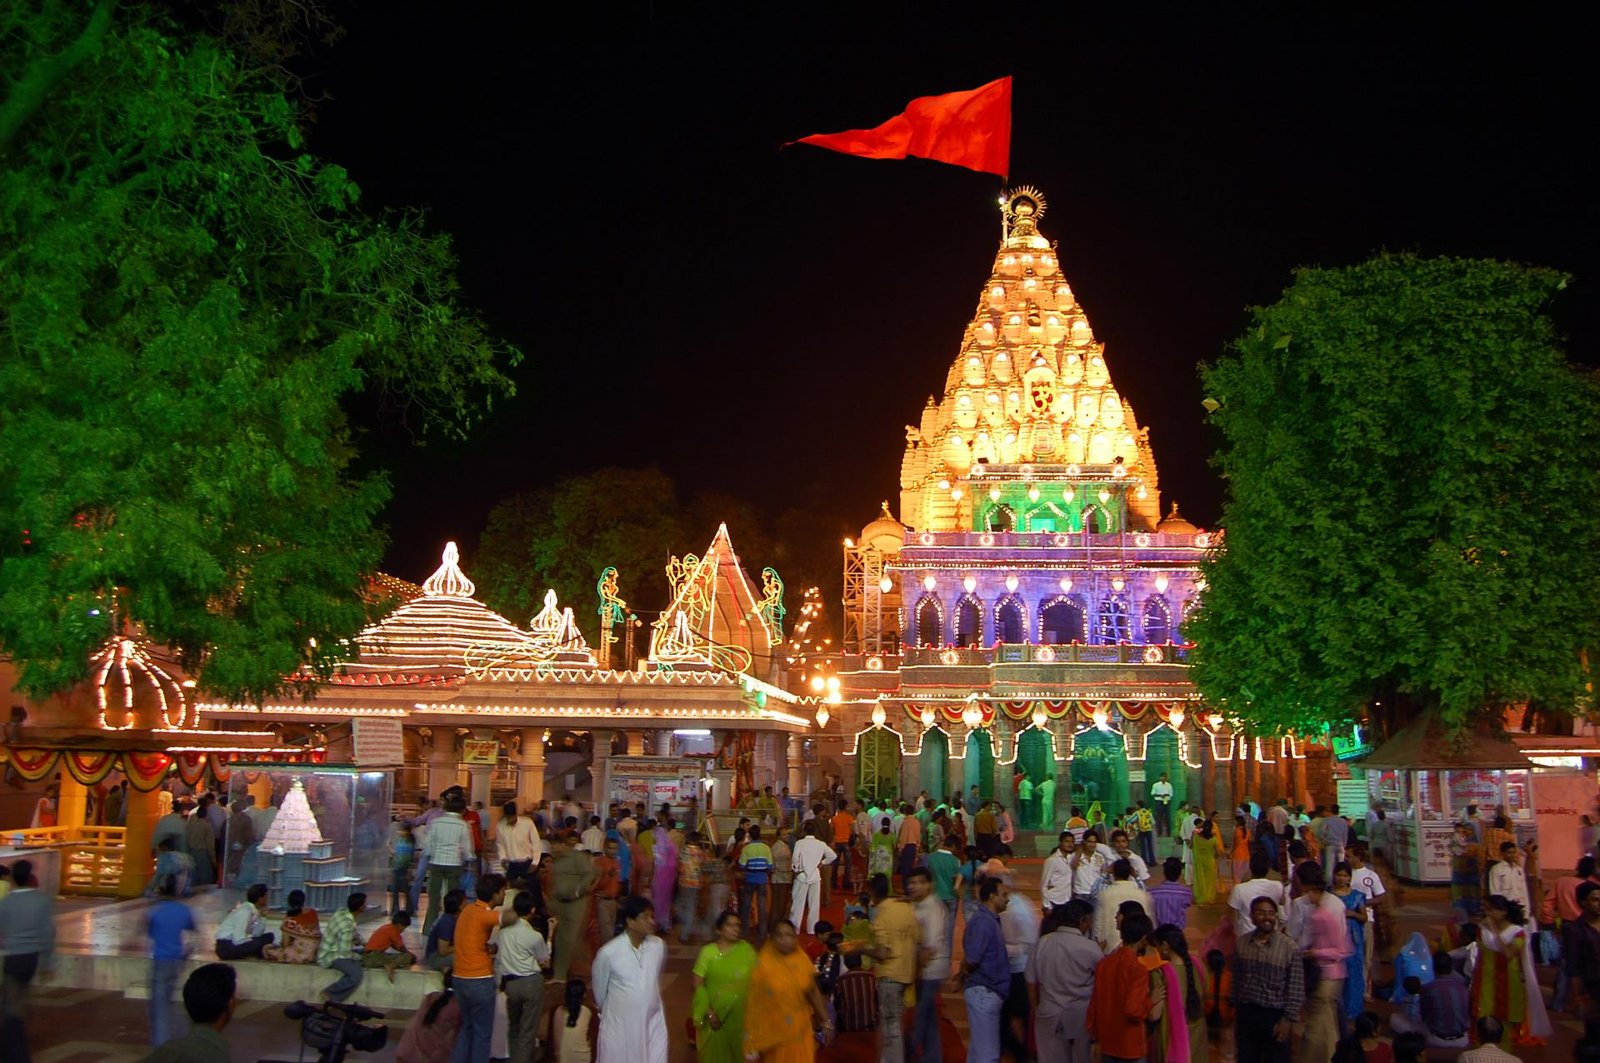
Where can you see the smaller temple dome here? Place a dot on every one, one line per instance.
(885, 533)
(1176, 524)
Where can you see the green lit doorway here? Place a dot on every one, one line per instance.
(978, 768)
(1100, 774)
(878, 766)
(1036, 757)
(934, 763)
(1161, 757)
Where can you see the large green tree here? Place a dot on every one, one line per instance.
(187, 295)
(563, 536)
(1411, 468)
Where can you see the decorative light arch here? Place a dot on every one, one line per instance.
(966, 599)
(1059, 599)
(928, 598)
(1159, 601)
(1011, 598)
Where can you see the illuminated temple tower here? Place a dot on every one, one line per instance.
(1028, 611)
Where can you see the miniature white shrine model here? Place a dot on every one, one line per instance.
(296, 856)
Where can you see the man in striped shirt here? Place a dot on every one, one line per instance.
(1269, 987)
(449, 850)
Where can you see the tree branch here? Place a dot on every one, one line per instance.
(31, 91)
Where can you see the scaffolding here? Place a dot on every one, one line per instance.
(871, 614)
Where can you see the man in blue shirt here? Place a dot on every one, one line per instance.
(441, 944)
(165, 926)
(988, 973)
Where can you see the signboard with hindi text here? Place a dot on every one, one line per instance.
(378, 743)
(480, 751)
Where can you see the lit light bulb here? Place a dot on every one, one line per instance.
(818, 684)
(1200, 584)
(955, 494)
(1117, 583)
(886, 585)
(1066, 584)
(929, 583)
(994, 494)
(822, 715)
(1176, 718)
(1040, 718)
(1102, 719)
(1011, 583)
(969, 584)
(1067, 495)
(1105, 496)
(1142, 494)
(1161, 584)
(944, 485)
(972, 716)
(927, 716)
(1033, 493)
(878, 716)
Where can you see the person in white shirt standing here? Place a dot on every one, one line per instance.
(1055, 880)
(517, 840)
(1507, 879)
(1246, 893)
(450, 849)
(1089, 864)
(519, 960)
(1366, 880)
(811, 853)
(1161, 797)
(594, 838)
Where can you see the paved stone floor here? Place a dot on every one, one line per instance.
(69, 1025)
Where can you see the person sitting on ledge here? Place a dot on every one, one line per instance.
(338, 950)
(242, 934)
(387, 949)
(302, 934)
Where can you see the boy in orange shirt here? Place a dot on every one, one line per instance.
(1121, 1001)
(386, 948)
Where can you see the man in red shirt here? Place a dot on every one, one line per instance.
(607, 889)
(1121, 1000)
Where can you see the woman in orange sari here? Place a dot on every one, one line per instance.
(785, 999)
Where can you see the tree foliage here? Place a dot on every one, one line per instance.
(186, 296)
(563, 536)
(1411, 467)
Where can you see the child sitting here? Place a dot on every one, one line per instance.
(830, 965)
(386, 948)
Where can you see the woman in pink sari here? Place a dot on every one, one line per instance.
(1181, 1034)
(664, 875)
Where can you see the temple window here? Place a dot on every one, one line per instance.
(1008, 620)
(969, 622)
(928, 631)
(1063, 621)
(1157, 621)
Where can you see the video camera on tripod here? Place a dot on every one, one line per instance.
(334, 1029)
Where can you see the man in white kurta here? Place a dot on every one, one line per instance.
(627, 989)
(810, 854)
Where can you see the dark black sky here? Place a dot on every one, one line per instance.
(764, 322)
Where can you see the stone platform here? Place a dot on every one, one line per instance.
(103, 947)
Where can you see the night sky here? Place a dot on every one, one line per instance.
(764, 322)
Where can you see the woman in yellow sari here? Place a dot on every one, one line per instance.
(783, 992)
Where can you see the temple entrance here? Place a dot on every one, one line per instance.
(1161, 756)
(1036, 758)
(1064, 622)
(978, 768)
(934, 763)
(1100, 775)
(878, 765)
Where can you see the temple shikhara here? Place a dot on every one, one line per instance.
(1025, 611)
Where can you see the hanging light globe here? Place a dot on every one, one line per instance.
(969, 584)
(1040, 718)
(886, 585)
(878, 716)
(1066, 584)
(1011, 583)
(1176, 718)
(972, 716)
(822, 716)
(1033, 493)
(929, 583)
(928, 716)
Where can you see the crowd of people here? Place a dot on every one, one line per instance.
(844, 918)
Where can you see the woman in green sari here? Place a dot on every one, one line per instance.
(721, 982)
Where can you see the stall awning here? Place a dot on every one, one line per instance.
(1427, 746)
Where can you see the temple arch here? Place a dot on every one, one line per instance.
(930, 622)
(1156, 623)
(1062, 619)
(969, 621)
(1010, 620)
